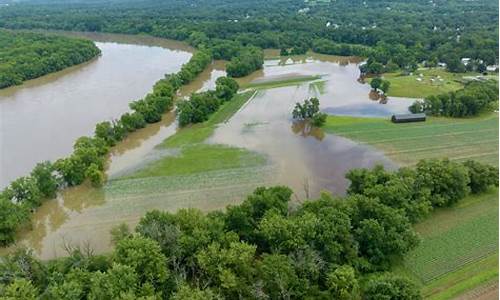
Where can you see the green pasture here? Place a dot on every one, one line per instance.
(458, 139)
(432, 81)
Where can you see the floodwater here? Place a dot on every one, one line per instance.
(302, 157)
(41, 119)
(306, 159)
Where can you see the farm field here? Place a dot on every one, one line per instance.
(458, 250)
(416, 86)
(457, 139)
(192, 170)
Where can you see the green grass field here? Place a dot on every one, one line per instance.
(281, 82)
(458, 249)
(458, 139)
(410, 86)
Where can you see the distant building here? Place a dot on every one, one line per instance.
(492, 68)
(408, 118)
(465, 60)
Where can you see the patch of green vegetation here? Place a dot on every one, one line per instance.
(197, 133)
(295, 80)
(457, 283)
(458, 139)
(318, 87)
(201, 158)
(458, 249)
(196, 156)
(455, 237)
(433, 81)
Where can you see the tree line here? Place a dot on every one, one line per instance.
(28, 55)
(264, 248)
(432, 32)
(474, 98)
(200, 106)
(87, 160)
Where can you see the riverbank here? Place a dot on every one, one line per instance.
(29, 55)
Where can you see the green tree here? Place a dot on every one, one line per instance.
(278, 276)
(46, 181)
(481, 176)
(186, 292)
(376, 83)
(12, 216)
(24, 190)
(230, 268)
(447, 181)
(390, 287)
(144, 256)
(343, 284)
(116, 281)
(384, 87)
(225, 88)
(95, 175)
(20, 289)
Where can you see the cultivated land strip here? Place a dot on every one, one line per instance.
(458, 250)
(457, 139)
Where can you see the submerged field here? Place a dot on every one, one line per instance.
(457, 139)
(194, 172)
(458, 249)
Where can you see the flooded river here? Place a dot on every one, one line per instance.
(304, 158)
(41, 119)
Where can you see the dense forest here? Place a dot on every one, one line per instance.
(268, 247)
(28, 55)
(394, 34)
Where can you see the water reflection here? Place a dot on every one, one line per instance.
(300, 152)
(306, 129)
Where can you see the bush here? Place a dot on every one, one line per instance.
(249, 59)
(481, 176)
(447, 181)
(390, 287)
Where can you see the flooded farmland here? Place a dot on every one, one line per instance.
(298, 156)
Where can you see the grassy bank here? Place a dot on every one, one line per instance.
(458, 139)
(459, 248)
(280, 82)
(433, 81)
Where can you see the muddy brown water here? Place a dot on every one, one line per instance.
(41, 119)
(305, 158)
